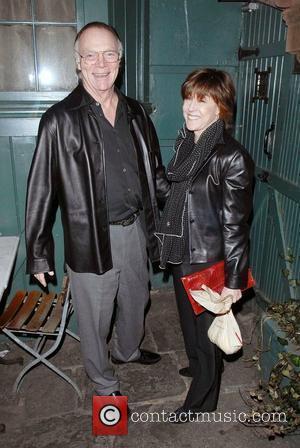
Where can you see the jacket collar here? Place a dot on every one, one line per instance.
(221, 142)
(79, 98)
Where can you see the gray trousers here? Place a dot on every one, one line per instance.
(94, 299)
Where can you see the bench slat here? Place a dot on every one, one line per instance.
(40, 313)
(25, 311)
(12, 308)
(55, 316)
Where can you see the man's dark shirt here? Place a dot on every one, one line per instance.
(121, 167)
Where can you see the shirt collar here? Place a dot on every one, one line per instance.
(80, 97)
(88, 99)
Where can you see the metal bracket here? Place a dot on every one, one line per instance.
(268, 141)
(261, 85)
(247, 52)
(263, 176)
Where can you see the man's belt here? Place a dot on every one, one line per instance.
(127, 221)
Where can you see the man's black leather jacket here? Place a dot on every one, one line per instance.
(219, 205)
(68, 170)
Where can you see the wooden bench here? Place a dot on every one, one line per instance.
(43, 316)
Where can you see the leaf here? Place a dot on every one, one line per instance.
(286, 373)
(290, 258)
(295, 360)
(285, 272)
(282, 341)
(273, 393)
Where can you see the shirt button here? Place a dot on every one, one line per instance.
(193, 249)
(129, 190)
(97, 104)
(118, 149)
(192, 220)
(168, 224)
(124, 170)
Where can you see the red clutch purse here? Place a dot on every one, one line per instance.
(213, 277)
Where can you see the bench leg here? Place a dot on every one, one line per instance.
(39, 358)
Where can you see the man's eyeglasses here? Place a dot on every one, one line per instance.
(92, 56)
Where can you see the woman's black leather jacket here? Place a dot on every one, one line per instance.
(219, 205)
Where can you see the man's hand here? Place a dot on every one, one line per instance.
(236, 294)
(41, 277)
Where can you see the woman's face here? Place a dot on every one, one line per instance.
(199, 115)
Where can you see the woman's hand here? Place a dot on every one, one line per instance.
(236, 294)
(41, 277)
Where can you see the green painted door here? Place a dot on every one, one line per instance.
(268, 126)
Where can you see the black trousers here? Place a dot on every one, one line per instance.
(205, 358)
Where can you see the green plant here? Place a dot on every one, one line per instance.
(287, 315)
(281, 395)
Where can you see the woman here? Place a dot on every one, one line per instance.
(205, 220)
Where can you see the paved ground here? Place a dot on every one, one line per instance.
(48, 414)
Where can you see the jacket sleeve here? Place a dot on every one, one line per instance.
(161, 183)
(41, 202)
(237, 206)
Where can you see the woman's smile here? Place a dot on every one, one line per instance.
(199, 115)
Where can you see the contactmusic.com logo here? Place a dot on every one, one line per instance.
(110, 415)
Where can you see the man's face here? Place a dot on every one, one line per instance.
(97, 77)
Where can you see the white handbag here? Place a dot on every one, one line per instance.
(225, 333)
(224, 330)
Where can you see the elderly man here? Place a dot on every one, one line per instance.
(98, 159)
